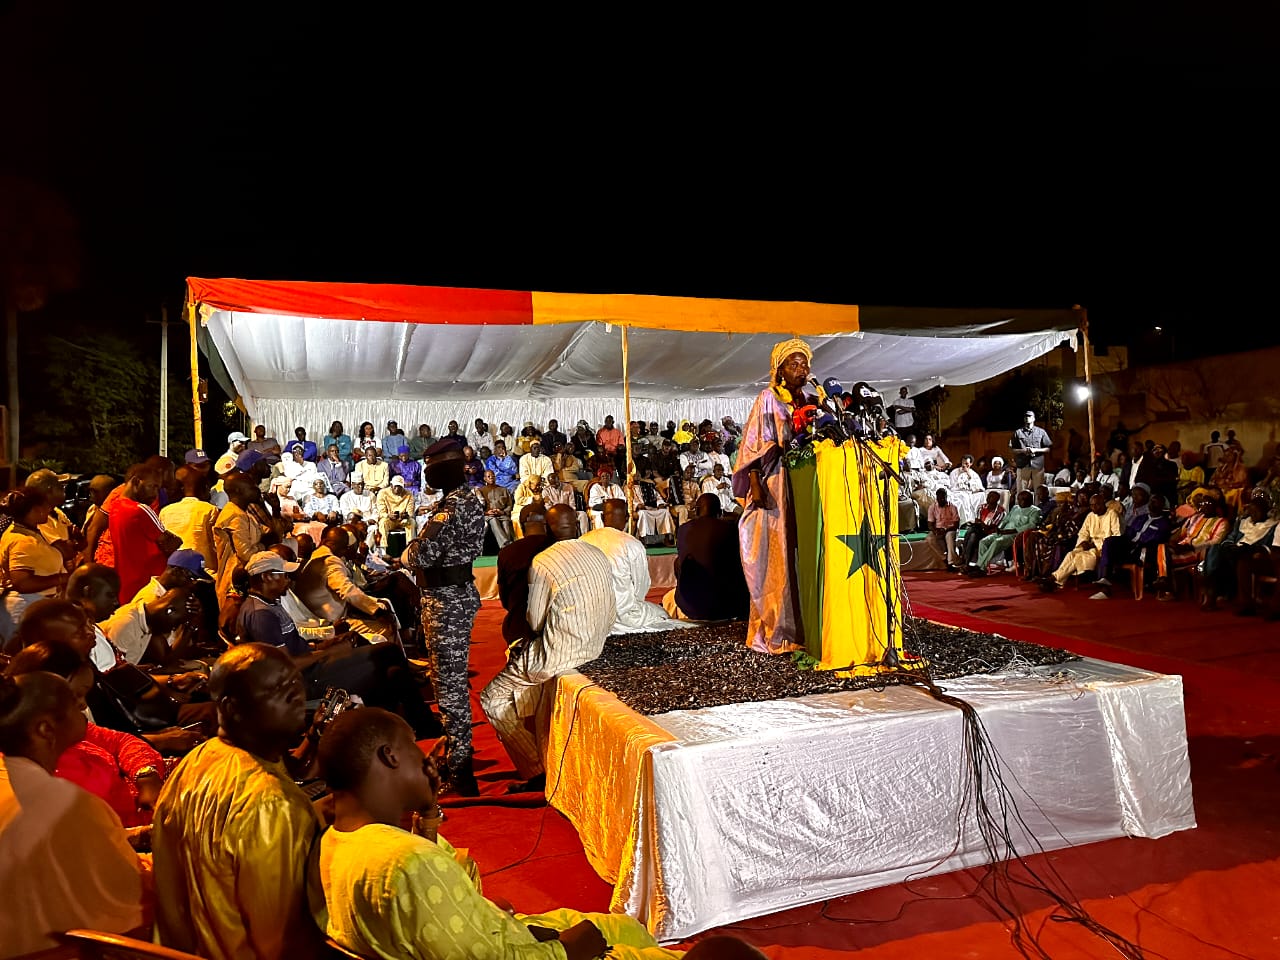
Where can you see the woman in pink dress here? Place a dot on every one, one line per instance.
(766, 531)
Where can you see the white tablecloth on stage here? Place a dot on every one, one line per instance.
(706, 817)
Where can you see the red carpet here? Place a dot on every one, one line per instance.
(1205, 893)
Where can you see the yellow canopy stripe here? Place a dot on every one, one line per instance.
(693, 313)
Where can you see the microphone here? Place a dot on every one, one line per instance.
(832, 386)
(803, 418)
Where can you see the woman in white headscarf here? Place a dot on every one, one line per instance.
(1001, 478)
(766, 532)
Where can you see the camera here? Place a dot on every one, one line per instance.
(336, 701)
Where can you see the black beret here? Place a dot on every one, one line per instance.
(441, 448)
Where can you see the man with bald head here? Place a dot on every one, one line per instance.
(514, 561)
(630, 573)
(570, 612)
(232, 831)
(325, 585)
(709, 581)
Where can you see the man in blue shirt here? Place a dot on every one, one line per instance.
(309, 451)
(1143, 531)
(505, 470)
(393, 441)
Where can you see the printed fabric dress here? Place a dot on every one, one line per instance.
(766, 535)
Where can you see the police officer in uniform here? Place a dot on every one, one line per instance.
(441, 558)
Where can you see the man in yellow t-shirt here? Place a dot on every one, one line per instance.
(394, 893)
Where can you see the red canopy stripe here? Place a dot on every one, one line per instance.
(394, 303)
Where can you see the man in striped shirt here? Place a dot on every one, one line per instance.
(570, 611)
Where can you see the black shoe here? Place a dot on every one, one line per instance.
(533, 785)
(462, 783)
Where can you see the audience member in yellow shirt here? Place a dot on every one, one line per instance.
(395, 894)
(192, 517)
(232, 831)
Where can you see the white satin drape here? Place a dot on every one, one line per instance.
(282, 416)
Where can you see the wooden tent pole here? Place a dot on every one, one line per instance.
(193, 318)
(626, 409)
(1088, 381)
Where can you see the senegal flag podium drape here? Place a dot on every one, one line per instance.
(846, 558)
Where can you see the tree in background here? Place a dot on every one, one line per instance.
(39, 256)
(99, 397)
(1001, 404)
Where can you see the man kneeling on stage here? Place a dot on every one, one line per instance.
(392, 892)
(570, 611)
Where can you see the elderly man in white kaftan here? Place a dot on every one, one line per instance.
(605, 488)
(967, 491)
(571, 611)
(766, 531)
(652, 520)
(631, 578)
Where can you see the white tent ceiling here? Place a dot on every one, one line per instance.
(289, 358)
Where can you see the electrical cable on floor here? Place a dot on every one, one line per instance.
(542, 822)
(981, 772)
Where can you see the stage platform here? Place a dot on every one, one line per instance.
(662, 572)
(707, 817)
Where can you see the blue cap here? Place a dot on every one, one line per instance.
(247, 460)
(190, 560)
(402, 449)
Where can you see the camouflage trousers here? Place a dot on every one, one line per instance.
(448, 614)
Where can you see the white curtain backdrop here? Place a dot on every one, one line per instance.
(282, 416)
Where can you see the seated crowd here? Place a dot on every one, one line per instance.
(1179, 522)
(161, 659)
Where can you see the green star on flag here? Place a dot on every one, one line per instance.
(867, 548)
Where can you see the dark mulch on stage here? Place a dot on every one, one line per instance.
(708, 666)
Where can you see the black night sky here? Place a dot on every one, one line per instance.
(233, 147)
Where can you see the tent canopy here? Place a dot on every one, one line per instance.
(292, 349)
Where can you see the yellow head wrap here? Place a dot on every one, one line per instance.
(785, 349)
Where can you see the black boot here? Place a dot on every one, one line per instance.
(462, 781)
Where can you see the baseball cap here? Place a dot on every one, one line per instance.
(236, 437)
(197, 458)
(190, 560)
(268, 562)
(46, 476)
(397, 481)
(248, 459)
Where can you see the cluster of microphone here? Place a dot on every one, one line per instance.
(840, 414)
